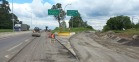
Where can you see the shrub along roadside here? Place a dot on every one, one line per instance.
(6, 30)
(76, 30)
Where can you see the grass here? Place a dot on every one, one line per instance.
(127, 31)
(6, 30)
(76, 30)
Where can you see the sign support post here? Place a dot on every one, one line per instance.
(72, 13)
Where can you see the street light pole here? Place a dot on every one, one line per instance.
(64, 11)
(31, 21)
(12, 16)
(66, 5)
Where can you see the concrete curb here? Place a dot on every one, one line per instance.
(7, 34)
(68, 49)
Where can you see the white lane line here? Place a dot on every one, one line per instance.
(14, 47)
(27, 39)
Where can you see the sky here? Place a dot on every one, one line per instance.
(95, 12)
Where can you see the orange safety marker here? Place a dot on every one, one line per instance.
(52, 38)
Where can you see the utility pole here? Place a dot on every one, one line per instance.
(31, 21)
(12, 16)
(100, 26)
(36, 22)
(138, 21)
(132, 21)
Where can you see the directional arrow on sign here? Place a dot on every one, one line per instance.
(72, 12)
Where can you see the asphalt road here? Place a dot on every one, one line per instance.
(10, 41)
(41, 50)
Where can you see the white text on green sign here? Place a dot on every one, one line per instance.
(72, 12)
(53, 12)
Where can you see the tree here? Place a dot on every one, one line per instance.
(133, 25)
(5, 16)
(77, 21)
(137, 26)
(28, 27)
(105, 28)
(20, 22)
(119, 22)
(61, 11)
(85, 24)
(63, 24)
(90, 27)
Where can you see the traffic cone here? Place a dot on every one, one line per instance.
(47, 32)
(49, 35)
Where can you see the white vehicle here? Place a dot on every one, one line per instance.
(20, 27)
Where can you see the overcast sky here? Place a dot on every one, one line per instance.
(96, 12)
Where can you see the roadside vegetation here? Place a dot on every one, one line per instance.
(76, 30)
(127, 31)
(6, 17)
(6, 30)
(121, 24)
(76, 22)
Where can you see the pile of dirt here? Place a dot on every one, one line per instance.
(127, 39)
(89, 47)
(106, 33)
(121, 38)
(123, 45)
(133, 43)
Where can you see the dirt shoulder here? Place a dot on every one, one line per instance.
(124, 44)
(91, 48)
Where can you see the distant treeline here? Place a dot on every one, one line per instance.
(6, 17)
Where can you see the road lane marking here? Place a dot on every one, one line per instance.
(26, 40)
(7, 56)
(14, 47)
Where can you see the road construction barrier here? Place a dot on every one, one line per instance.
(52, 38)
(72, 33)
(63, 33)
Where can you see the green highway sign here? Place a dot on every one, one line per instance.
(72, 12)
(53, 12)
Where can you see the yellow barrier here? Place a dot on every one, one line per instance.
(63, 33)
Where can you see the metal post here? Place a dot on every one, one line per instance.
(64, 10)
(12, 16)
(72, 23)
(31, 21)
(138, 21)
(132, 22)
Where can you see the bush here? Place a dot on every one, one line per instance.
(105, 28)
(56, 28)
(90, 27)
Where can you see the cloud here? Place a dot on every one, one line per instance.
(96, 12)
(39, 9)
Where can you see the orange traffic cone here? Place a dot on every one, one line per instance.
(49, 35)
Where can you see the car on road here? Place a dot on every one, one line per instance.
(36, 32)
